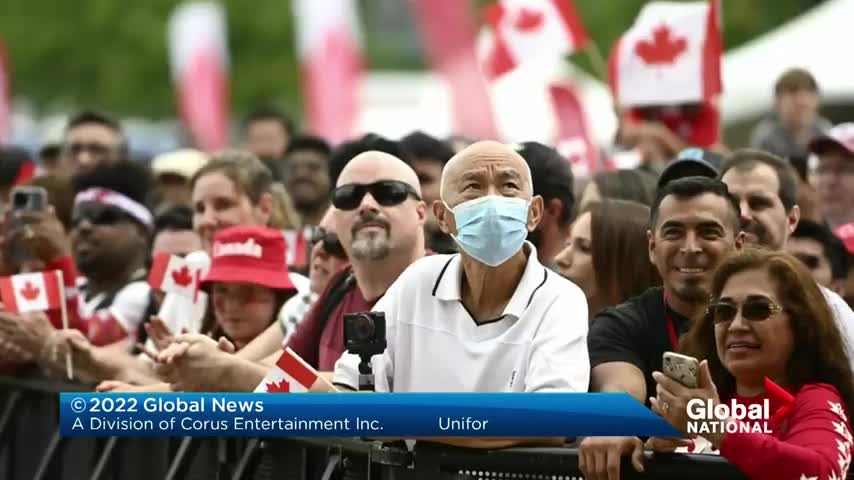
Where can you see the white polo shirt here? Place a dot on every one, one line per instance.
(539, 344)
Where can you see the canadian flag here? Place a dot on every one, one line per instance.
(448, 32)
(185, 304)
(329, 50)
(5, 98)
(171, 273)
(574, 140)
(670, 56)
(32, 292)
(292, 375)
(525, 30)
(199, 58)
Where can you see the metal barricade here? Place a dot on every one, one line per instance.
(31, 448)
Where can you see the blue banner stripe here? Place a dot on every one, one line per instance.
(357, 415)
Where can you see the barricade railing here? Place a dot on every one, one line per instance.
(32, 448)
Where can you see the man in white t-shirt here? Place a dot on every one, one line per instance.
(491, 318)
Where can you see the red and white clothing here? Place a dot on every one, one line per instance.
(699, 128)
(299, 248)
(103, 320)
(812, 442)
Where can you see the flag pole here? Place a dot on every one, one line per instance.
(597, 61)
(69, 369)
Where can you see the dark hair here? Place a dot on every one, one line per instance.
(819, 354)
(174, 218)
(794, 80)
(831, 245)
(425, 147)
(269, 112)
(746, 159)
(627, 184)
(309, 142)
(551, 175)
(131, 179)
(691, 187)
(87, 117)
(618, 234)
(370, 142)
(12, 160)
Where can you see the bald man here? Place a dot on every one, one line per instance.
(379, 218)
(490, 318)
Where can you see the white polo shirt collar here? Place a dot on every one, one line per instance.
(448, 285)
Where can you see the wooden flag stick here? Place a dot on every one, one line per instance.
(597, 61)
(69, 369)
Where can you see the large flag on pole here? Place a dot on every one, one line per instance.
(574, 137)
(328, 43)
(448, 32)
(671, 55)
(525, 30)
(199, 58)
(5, 97)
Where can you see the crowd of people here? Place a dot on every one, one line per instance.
(496, 269)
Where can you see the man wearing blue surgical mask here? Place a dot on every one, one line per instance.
(490, 318)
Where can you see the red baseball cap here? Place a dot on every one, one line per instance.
(846, 233)
(841, 136)
(249, 255)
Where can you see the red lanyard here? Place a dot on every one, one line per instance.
(671, 328)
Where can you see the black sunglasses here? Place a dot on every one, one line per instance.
(387, 193)
(809, 261)
(99, 215)
(753, 310)
(331, 243)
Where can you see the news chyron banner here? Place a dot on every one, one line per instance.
(357, 415)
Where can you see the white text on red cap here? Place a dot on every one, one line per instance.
(248, 248)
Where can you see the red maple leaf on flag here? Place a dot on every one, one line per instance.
(664, 48)
(182, 277)
(528, 20)
(30, 291)
(282, 386)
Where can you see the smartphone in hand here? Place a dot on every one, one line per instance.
(682, 368)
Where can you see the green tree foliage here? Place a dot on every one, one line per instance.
(113, 54)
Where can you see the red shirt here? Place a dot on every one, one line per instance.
(814, 441)
(322, 345)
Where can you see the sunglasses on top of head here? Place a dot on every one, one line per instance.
(753, 310)
(99, 215)
(387, 193)
(331, 243)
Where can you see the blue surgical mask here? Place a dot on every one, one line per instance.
(491, 229)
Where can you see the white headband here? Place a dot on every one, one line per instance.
(116, 199)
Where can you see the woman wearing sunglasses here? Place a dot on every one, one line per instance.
(768, 319)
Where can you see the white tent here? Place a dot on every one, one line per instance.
(816, 41)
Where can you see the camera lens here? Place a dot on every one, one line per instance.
(20, 201)
(363, 327)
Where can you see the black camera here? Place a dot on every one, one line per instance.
(364, 333)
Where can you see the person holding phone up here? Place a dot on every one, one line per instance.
(768, 319)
